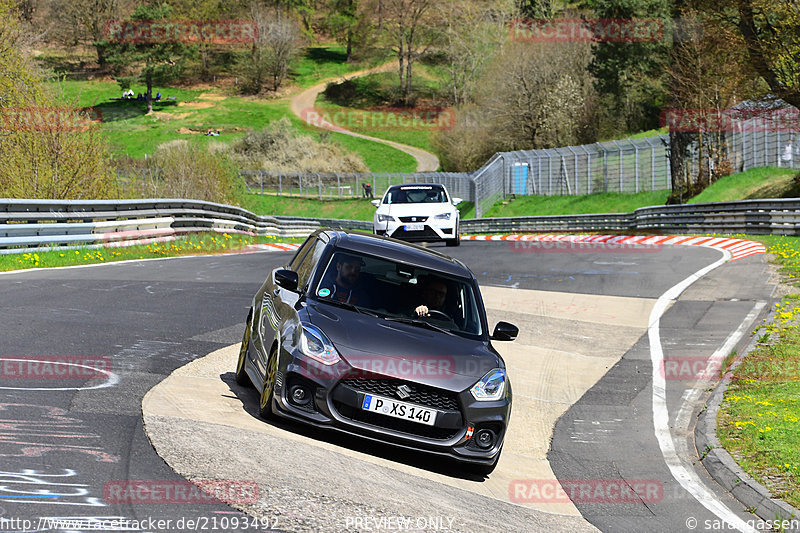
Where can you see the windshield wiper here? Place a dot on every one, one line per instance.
(417, 322)
(349, 306)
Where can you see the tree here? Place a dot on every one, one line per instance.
(343, 21)
(771, 32)
(160, 59)
(540, 95)
(85, 21)
(410, 27)
(18, 85)
(276, 44)
(630, 75)
(709, 73)
(471, 34)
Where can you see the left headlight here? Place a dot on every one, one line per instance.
(385, 218)
(490, 387)
(317, 346)
(443, 216)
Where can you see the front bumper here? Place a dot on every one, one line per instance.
(433, 230)
(336, 399)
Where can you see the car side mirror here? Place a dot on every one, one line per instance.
(376, 203)
(457, 201)
(504, 331)
(286, 279)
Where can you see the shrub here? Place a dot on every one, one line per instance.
(279, 147)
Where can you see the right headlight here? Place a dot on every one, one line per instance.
(385, 218)
(316, 345)
(490, 387)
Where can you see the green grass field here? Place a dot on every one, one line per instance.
(579, 204)
(766, 182)
(759, 419)
(194, 244)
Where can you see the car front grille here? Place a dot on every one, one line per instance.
(420, 394)
(413, 219)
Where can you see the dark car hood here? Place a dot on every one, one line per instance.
(426, 356)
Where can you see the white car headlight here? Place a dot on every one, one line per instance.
(490, 387)
(385, 218)
(317, 346)
(443, 216)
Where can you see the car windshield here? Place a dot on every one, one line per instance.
(397, 292)
(415, 194)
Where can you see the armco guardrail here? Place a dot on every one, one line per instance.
(36, 224)
(27, 225)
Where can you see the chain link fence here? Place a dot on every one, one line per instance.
(349, 185)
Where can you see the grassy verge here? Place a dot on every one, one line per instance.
(530, 205)
(765, 182)
(194, 244)
(759, 420)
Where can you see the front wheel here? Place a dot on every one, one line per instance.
(241, 373)
(456, 241)
(268, 391)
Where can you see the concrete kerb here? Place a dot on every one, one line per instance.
(723, 467)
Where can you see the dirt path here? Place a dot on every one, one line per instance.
(305, 100)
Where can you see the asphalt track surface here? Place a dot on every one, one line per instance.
(65, 451)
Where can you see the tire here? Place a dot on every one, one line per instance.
(268, 390)
(241, 374)
(456, 241)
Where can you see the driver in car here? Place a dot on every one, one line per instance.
(347, 287)
(433, 292)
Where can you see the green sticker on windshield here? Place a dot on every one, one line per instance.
(324, 292)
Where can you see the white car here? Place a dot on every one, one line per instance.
(418, 212)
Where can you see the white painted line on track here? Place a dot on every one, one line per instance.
(681, 470)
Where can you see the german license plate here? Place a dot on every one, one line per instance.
(415, 227)
(406, 411)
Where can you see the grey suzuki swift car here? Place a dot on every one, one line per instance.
(384, 340)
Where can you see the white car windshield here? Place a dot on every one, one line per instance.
(395, 291)
(415, 194)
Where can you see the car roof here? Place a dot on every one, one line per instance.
(418, 186)
(398, 251)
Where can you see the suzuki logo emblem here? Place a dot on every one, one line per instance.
(403, 392)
